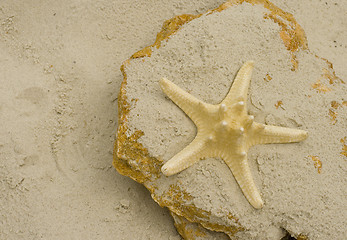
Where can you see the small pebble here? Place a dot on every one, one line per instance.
(125, 203)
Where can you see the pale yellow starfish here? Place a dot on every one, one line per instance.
(227, 131)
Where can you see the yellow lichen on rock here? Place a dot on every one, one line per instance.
(176, 199)
(169, 27)
(194, 231)
(329, 76)
(292, 35)
(128, 148)
(333, 110)
(317, 163)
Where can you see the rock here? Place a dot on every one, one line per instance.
(302, 184)
(195, 231)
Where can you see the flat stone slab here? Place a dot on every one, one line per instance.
(302, 184)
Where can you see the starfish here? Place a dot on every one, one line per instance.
(227, 131)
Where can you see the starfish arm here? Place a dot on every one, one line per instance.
(185, 158)
(242, 173)
(192, 106)
(239, 89)
(275, 134)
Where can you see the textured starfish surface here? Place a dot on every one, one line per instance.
(227, 131)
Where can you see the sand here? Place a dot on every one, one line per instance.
(59, 82)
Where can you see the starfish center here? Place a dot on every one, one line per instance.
(227, 131)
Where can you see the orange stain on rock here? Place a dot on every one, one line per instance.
(317, 163)
(279, 104)
(267, 78)
(328, 75)
(333, 110)
(320, 87)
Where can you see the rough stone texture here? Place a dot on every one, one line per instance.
(302, 184)
(59, 82)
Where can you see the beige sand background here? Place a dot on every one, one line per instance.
(59, 81)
